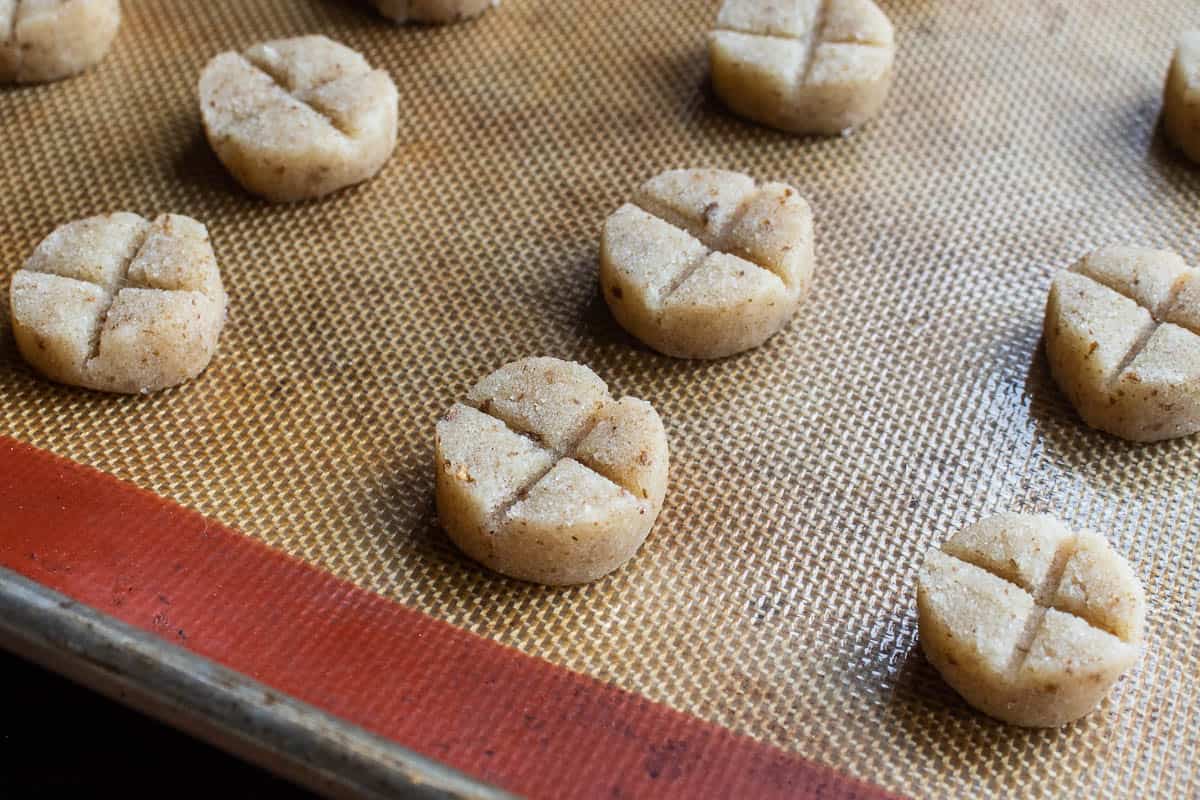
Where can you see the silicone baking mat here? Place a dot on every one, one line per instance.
(775, 595)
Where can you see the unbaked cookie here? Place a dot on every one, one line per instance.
(120, 304)
(543, 476)
(704, 263)
(1029, 622)
(47, 40)
(298, 118)
(1123, 342)
(432, 11)
(804, 66)
(1181, 98)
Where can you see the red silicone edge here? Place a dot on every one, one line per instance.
(489, 710)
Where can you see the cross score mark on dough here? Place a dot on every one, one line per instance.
(122, 281)
(260, 67)
(568, 452)
(814, 34)
(722, 243)
(1043, 598)
(810, 40)
(1158, 317)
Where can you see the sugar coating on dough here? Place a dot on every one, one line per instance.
(543, 476)
(437, 12)
(120, 304)
(1181, 96)
(705, 263)
(47, 40)
(298, 118)
(804, 66)
(1030, 622)
(1122, 337)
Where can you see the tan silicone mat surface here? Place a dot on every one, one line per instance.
(775, 595)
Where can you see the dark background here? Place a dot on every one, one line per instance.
(58, 739)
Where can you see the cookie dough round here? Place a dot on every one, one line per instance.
(803, 66)
(120, 304)
(1181, 98)
(298, 118)
(48, 40)
(1029, 622)
(543, 476)
(1123, 342)
(704, 263)
(437, 12)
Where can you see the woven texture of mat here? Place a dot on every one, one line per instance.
(775, 596)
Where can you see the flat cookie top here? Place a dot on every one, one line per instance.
(15, 13)
(122, 250)
(678, 220)
(1031, 596)
(812, 21)
(95, 287)
(1141, 306)
(810, 41)
(543, 439)
(287, 92)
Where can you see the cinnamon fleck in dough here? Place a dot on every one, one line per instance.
(47, 40)
(1123, 342)
(1181, 98)
(543, 476)
(704, 263)
(120, 304)
(298, 118)
(1029, 622)
(433, 11)
(804, 66)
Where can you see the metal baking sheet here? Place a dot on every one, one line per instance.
(775, 595)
